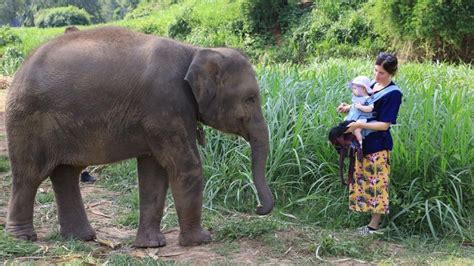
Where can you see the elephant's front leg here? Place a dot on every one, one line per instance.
(187, 185)
(153, 184)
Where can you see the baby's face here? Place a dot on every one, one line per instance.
(358, 90)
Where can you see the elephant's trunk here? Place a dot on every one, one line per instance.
(259, 145)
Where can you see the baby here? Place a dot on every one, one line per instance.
(359, 110)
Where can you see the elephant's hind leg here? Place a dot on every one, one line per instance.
(20, 212)
(153, 184)
(71, 213)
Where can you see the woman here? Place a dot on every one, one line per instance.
(369, 191)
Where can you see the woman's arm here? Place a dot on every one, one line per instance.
(374, 125)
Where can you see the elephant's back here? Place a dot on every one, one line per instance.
(90, 51)
(81, 63)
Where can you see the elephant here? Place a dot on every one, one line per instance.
(108, 94)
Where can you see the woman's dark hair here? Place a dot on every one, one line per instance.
(388, 61)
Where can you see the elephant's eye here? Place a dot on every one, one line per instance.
(250, 99)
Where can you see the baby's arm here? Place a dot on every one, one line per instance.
(365, 108)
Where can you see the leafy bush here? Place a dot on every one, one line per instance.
(10, 56)
(263, 15)
(333, 29)
(62, 16)
(430, 29)
(7, 37)
(148, 7)
(150, 28)
(182, 26)
(139, 12)
(11, 61)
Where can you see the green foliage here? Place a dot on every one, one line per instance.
(182, 25)
(62, 16)
(131, 202)
(117, 9)
(231, 230)
(262, 15)
(8, 37)
(9, 10)
(10, 247)
(120, 177)
(10, 56)
(331, 246)
(43, 198)
(4, 164)
(67, 246)
(148, 7)
(434, 29)
(124, 259)
(11, 60)
(140, 11)
(333, 29)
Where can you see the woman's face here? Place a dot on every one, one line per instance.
(381, 76)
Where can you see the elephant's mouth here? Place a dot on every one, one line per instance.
(246, 137)
(243, 130)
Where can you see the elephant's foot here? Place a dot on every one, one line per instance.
(147, 239)
(194, 238)
(21, 231)
(86, 233)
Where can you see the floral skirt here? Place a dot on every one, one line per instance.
(369, 192)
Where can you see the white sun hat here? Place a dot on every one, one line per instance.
(362, 81)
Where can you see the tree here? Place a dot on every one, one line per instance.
(9, 12)
(116, 9)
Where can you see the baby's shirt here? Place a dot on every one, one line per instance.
(359, 99)
(356, 114)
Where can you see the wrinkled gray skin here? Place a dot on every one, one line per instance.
(109, 94)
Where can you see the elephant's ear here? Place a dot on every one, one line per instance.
(203, 77)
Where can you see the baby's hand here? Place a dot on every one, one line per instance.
(343, 108)
(358, 106)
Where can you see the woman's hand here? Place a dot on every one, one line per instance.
(353, 126)
(343, 108)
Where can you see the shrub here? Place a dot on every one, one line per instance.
(10, 61)
(8, 37)
(150, 27)
(62, 16)
(147, 7)
(139, 12)
(433, 29)
(262, 15)
(182, 25)
(325, 33)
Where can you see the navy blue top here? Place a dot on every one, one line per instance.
(385, 110)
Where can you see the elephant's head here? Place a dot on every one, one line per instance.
(226, 91)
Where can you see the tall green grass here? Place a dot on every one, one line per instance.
(432, 180)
